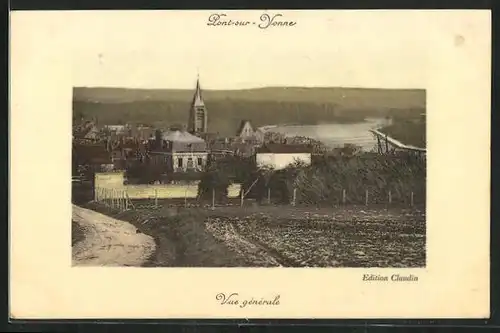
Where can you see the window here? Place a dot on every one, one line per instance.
(200, 161)
(179, 162)
(190, 163)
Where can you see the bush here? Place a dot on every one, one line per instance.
(211, 181)
(328, 176)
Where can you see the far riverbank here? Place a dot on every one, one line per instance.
(335, 134)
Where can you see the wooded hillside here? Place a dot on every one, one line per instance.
(262, 106)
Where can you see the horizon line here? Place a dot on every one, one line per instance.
(250, 88)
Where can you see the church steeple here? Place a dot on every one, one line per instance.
(198, 113)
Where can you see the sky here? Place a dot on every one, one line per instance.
(166, 49)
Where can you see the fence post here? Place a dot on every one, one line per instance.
(156, 198)
(366, 197)
(294, 197)
(269, 195)
(390, 197)
(343, 197)
(213, 198)
(126, 200)
(242, 195)
(185, 199)
(411, 199)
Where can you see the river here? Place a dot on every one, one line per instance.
(335, 135)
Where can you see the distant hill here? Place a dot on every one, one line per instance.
(262, 106)
(350, 98)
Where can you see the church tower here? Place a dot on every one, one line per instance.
(198, 117)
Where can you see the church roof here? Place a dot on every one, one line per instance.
(197, 98)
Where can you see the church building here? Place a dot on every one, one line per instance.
(198, 117)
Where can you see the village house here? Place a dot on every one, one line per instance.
(178, 151)
(118, 129)
(246, 133)
(86, 131)
(279, 156)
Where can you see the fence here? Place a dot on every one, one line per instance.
(123, 197)
(155, 196)
(368, 197)
(114, 198)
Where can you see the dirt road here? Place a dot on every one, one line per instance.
(109, 242)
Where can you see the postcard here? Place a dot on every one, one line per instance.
(250, 164)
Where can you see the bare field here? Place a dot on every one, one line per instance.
(365, 239)
(272, 236)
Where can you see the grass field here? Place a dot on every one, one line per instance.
(267, 236)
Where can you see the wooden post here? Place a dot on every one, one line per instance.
(343, 197)
(411, 199)
(126, 200)
(213, 198)
(185, 199)
(390, 197)
(294, 197)
(269, 195)
(379, 145)
(366, 197)
(242, 197)
(156, 198)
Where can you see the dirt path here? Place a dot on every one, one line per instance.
(109, 242)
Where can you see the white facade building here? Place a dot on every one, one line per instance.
(280, 156)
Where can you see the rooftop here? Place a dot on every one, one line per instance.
(181, 136)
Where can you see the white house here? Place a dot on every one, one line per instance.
(279, 156)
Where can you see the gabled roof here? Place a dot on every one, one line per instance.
(278, 148)
(242, 126)
(181, 136)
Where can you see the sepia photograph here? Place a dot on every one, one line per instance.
(250, 164)
(207, 173)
